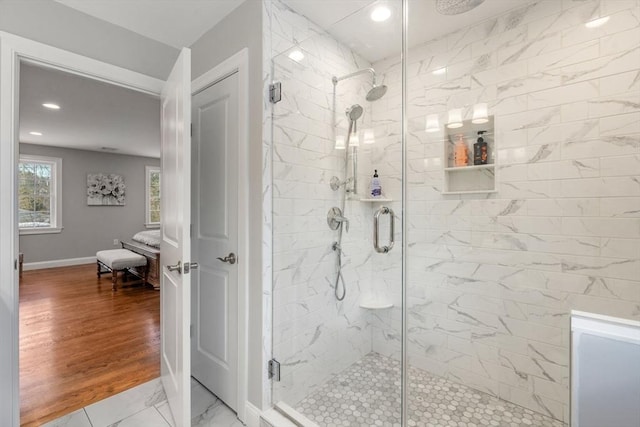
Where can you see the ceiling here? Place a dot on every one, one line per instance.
(349, 22)
(177, 23)
(93, 114)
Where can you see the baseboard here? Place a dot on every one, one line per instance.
(58, 263)
(252, 415)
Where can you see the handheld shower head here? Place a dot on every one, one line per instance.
(354, 112)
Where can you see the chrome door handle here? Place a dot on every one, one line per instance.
(177, 267)
(231, 258)
(376, 229)
(188, 266)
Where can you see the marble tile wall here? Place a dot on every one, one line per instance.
(492, 278)
(314, 335)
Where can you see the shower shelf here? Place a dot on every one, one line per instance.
(379, 199)
(470, 168)
(376, 304)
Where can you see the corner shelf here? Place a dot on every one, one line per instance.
(376, 305)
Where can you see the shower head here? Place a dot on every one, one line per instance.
(354, 112)
(376, 92)
(456, 7)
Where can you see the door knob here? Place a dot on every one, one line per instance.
(231, 258)
(177, 267)
(188, 266)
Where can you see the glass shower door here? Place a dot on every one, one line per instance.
(337, 292)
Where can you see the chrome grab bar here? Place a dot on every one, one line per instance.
(376, 229)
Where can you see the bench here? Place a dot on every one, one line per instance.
(115, 260)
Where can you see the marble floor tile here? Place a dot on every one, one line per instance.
(75, 419)
(129, 402)
(146, 417)
(165, 411)
(147, 406)
(368, 394)
(201, 399)
(216, 415)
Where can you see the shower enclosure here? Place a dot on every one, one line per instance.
(446, 299)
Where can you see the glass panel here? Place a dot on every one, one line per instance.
(337, 302)
(512, 229)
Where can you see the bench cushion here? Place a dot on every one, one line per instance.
(119, 259)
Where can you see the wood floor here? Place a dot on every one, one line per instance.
(80, 342)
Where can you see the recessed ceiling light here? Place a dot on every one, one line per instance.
(296, 55)
(51, 106)
(380, 13)
(35, 133)
(597, 22)
(439, 71)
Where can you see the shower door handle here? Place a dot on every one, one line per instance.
(376, 229)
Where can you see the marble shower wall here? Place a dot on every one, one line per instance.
(492, 278)
(314, 336)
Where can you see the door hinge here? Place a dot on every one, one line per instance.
(191, 331)
(15, 264)
(275, 92)
(274, 370)
(191, 129)
(190, 230)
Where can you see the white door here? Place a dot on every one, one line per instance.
(175, 247)
(214, 345)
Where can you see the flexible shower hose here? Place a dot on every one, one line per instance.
(339, 277)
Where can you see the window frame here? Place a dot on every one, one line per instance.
(55, 194)
(148, 170)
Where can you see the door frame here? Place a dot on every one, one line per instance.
(13, 51)
(238, 63)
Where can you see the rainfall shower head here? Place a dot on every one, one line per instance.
(354, 112)
(456, 7)
(376, 92)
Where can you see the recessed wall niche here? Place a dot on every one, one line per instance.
(469, 178)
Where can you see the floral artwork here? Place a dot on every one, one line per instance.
(105, 189)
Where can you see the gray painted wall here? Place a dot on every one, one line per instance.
(57, 25)
(88, 229)
(243, 28)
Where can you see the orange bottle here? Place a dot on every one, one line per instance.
(460, 152)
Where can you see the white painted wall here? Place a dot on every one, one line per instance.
(52, 23)
(243, 29)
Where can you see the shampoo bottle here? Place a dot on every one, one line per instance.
(480, 150)
(461, 152)
(376, 187)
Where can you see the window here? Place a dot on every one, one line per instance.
(153, 196)
(39, 194)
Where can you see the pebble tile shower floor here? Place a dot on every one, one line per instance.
(368, 394)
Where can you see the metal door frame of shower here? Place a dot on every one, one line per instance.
(404, 419)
